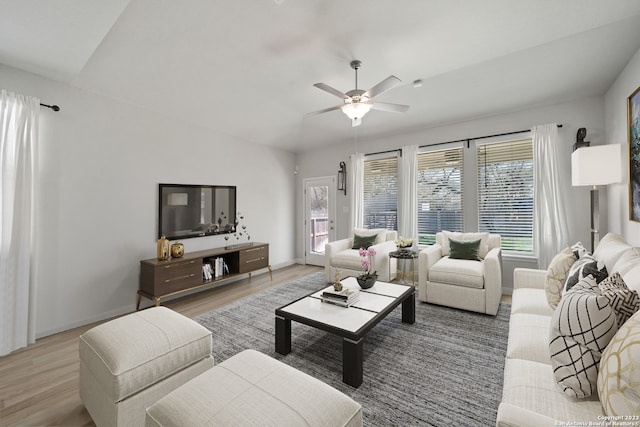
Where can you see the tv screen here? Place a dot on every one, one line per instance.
(187, 211)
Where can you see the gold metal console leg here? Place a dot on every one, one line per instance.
(270, 273)
(157, 300)
(138, 299)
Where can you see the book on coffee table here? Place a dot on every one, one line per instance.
(345, 297)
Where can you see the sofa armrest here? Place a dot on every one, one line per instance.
(426, 259)
(514, 416)
(529, 278)
(381, 262)
(493, 280)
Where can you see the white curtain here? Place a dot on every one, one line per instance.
(356, 184)
(18, 162)
(551, 227)
(408, 203)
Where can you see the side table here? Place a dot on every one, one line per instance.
(405, 254)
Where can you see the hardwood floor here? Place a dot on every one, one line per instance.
(39, 384)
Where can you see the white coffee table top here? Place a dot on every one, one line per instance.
(372, 301)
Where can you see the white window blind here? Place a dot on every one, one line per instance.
(381, 192)
(505, 193)
(440, 201)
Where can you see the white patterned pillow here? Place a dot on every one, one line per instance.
(557, 274)
(581, 327)
(623, 300)
(585, 267)
(579, 250)
(619, 376)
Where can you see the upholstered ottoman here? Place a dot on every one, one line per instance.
(128, 363)
(252, 389)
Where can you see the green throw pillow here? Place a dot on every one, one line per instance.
(464, 250)
(363, 241)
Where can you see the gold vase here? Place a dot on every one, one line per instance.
(163, 249)
(177, 250)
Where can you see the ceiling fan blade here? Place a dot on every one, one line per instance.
(394, 108)
(388, 83)
(326, 110)
(331, 90)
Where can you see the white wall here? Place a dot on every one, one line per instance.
(588, 113)
(101, 162)
(617, 133)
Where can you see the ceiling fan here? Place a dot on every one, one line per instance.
(358, 102)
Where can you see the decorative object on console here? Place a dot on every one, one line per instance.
(368, 278)
(337, 286)
(239, 230)
(163, 248)
(404, 244)
(177, 250)
(599, 165)
(633, 114)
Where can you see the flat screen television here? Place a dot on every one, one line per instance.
(187, 211)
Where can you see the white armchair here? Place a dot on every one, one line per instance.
(462, 283)
(339, 254)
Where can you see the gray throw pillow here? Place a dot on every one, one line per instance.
(363, 241)
(464, 250)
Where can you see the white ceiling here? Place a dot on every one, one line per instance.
(246, 67)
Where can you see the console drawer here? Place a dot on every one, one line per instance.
(253, 258)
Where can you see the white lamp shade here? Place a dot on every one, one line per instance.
(356, 110)
(178, 199)
(598, 165)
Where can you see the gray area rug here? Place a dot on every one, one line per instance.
(444, 370)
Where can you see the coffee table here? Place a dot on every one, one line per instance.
(352, 324)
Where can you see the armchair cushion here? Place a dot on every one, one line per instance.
(460, 272)
(464, 250)
(363, 241)
(465, 237)
(380, 233)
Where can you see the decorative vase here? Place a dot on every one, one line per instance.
(177, 250)
(366, 282)
(163, 249)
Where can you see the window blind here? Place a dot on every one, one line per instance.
(505, 193)
(440, 200)
(381, 193)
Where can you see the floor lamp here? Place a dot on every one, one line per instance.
(598, 165)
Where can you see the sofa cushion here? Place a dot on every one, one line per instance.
(610, 249)
(619, 376)
(530, 301)
(459, 272)
(557, 275)
(465, 237)
(464, 250)
(624, 301)
(581, 327)
(587, 266)
(529, 337)
(530, 386)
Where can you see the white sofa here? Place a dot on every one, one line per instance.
(460, 283)
(531, 396)
(339, 254)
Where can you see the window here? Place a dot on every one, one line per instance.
(505, 193)
(381, 192)
(440, 176)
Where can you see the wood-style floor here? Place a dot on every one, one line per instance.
(39, 384)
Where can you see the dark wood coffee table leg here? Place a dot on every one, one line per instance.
(409, 309)
(283, 335)
(352, 362)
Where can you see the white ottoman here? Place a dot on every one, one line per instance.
(252, 389)
(128, 363)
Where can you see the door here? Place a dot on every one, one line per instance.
(319, 220)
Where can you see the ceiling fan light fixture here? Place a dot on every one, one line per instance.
(356, 110)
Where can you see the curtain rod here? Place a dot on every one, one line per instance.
(480, 137)
(53, 107)
(397, 150)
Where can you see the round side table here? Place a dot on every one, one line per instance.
(405, 254)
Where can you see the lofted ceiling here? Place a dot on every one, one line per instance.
(246, 68)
